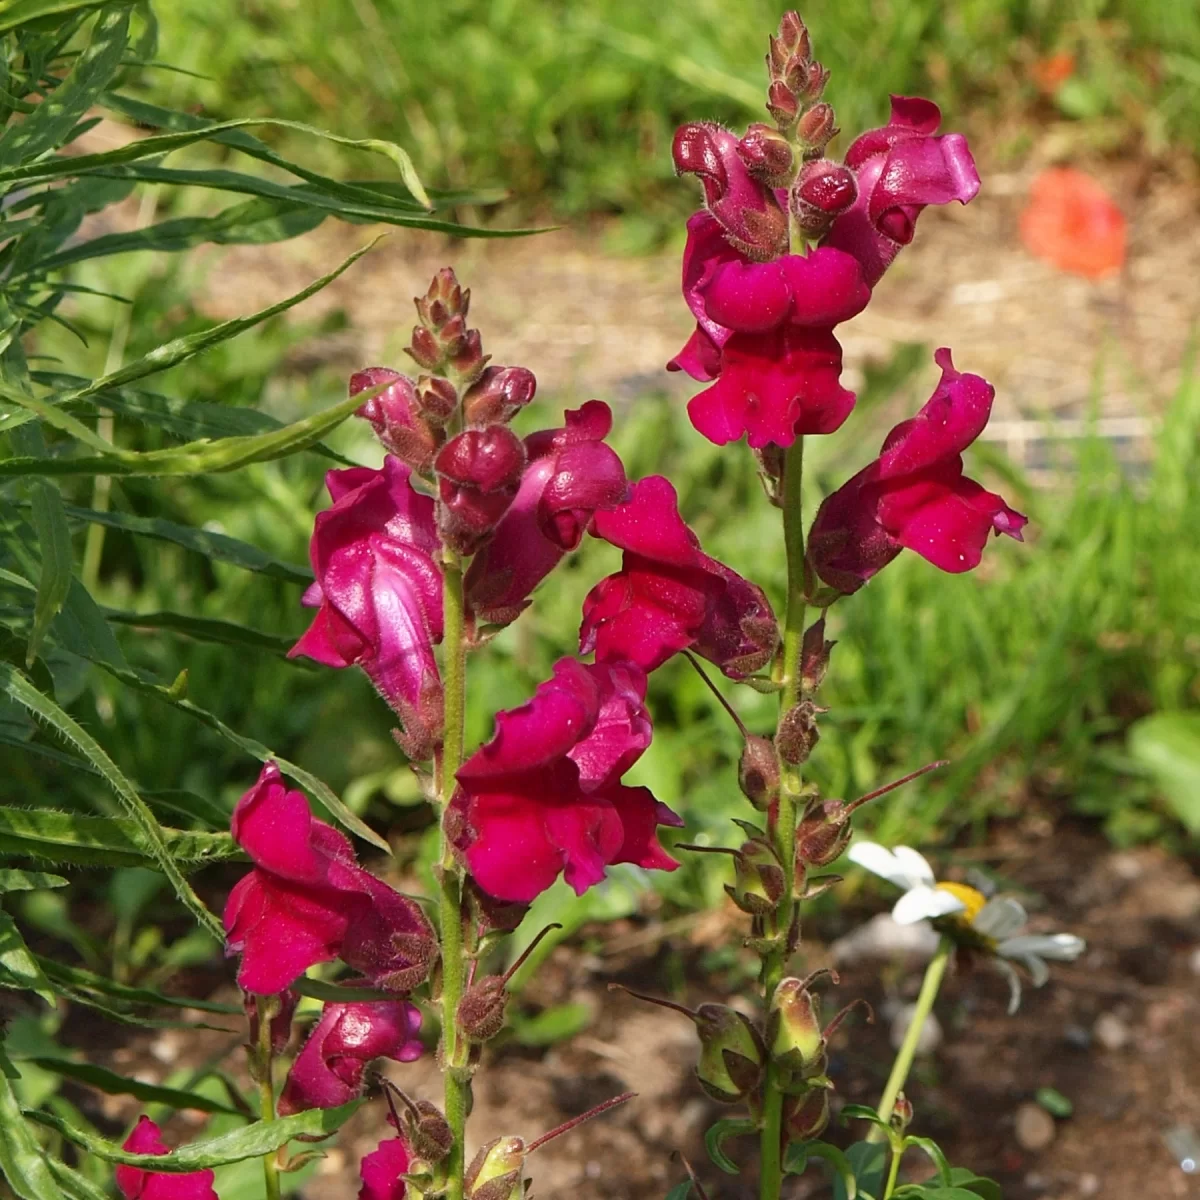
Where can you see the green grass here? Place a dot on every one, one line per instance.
(572, 106)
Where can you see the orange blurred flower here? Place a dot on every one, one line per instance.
(1051, 72)
(1074, 223)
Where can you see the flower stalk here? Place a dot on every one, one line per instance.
(264, 1052)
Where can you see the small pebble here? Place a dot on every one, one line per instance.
(1089, 1184)
(1111, 1032)
(931, 1031)
(1077, 1037)
(1194, 961)
(1033, 1127)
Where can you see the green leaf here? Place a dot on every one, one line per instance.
(839, 1166)
(867, 1160)
(935, 1153)
(298, 435)
(21, 12)
(1167, 745)
(14, 880)
(216, 546)
(113, 1084)
(321, 989)
(966, 1179)
(87, 981)
(23, 1163)
(861, 1112)
(92, 841)
(18, 687)
(52, 121)
(681, 1191)
(206, 629)
(76, 1185)
(18, 967)
(1054, 1102)
(714, 1141)
(251, 1142)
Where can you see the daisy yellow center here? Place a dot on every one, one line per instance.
(972, 899)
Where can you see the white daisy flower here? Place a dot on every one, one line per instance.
(967, 915)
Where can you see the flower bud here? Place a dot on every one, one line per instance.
(798, 733)
(817, 127)
(732, 1054)
(429, 1133)
(822, 192)
(758, 772)
(823, 834)
(815, 79)
(437, 399)
(814, 656)
(805, 1116)
(496, 1172)
(425, 348)
(792, 40)
(444, 299)
(767, 155)
(794, 1029)
(480, 1012)
(467, 357)
(745, 207)
(759, 880)
(479, 471)
(498, 395)
(902, 1113)
(782, 103)
(395, 415)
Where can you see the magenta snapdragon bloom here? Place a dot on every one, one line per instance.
(570, 474)
(328, 1071)
(378, 593)
(308, 901)
(915, 494)
(544, 796)
(900, 169)
(669, 595)
(764, 333)
(382, 1171)
(137, 1184)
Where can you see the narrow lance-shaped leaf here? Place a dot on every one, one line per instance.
(113, 1084)
(23, 1162)
(251, 1142)
(18, 968)
(206, 629)
(18, 687)
(14, 880)
(15, 13)
(82, 980)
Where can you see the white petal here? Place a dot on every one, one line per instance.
(1059, 947)
(915, 866)
(923, 903)
(1039, 973)
(879, 860)
(1000, 918)
(1014, 985)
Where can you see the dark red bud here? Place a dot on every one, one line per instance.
(817, 78)
(479, 471)
(758, 772)
(817, 128)
(782, 104)
(767, 155)
(793, 35)
(498, 395)
(822, 835)
(425, 348)
(814, 656)
(443, 300)
(467, 357)
(480, 1012)
(798, 733)
(822, 192)
(436, 398)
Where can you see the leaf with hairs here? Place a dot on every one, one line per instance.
(81, 980)
(112, 1084)
(251, 1142)
(18, 967)
(52, 121)
(23, 1162)
(207, 629)
(14, 880)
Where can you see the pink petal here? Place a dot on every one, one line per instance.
(382, 1171)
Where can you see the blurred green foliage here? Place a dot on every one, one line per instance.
(572, 106)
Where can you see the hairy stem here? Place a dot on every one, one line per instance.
(266, 1094)
(934, 974)
(782, 824)
(454, 1051)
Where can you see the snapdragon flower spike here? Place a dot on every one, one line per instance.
(745, 206)
(669, 595)
(915, 494)
(308, 901)
(570, 473)
(764, 334)
(900, 168)
(328, 1071)
(378, 593)
(544, 796)
(137, 1184)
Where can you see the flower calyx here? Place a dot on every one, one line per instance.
(759, 879)
(795, 1038)
(480, 1013)
(758, 772)
(814, 656)
(798, 732)
(732, 1051)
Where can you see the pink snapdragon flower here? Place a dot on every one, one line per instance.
(915, 494)
(900, 168)
(764, 333)
(570, 474)
(328, 1071)
(378, 593)
(382, 1171)
(137, 1184)
(308, 901)
(544, 796)
(669, 595)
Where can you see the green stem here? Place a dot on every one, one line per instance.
(893, 1172)
(934, 974)
(266, 1093)
(454, 1050)
(782, 826)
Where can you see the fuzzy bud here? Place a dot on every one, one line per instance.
(758, 772)
(794, 1030)
(782, 104)
(792, 40)
(814, 656)
(817, 128)
(437, 399)
(479, 471)
(767, 155)
(496, 1172)
(480, 1013)
(732, 1054)
(467, 357)
(444, 300)
(428, 1132)
(805, 1116)
(798, 733)
(759, 879)
(395, 415)
(822, 192)
(498, 395)
(425, 348)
